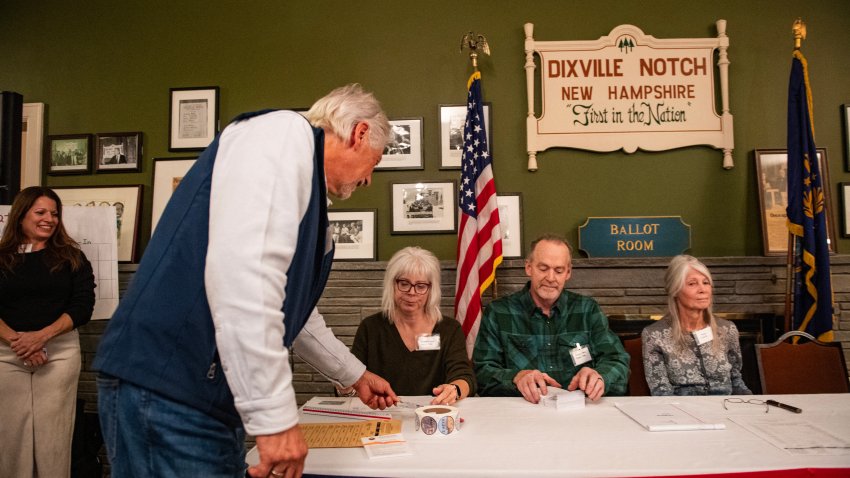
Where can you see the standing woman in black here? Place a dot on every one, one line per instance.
(46, 292)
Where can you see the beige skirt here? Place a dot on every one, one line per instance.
(37, 410)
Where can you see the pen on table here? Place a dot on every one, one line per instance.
(784, 406)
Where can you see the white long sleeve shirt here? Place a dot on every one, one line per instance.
(260, 191)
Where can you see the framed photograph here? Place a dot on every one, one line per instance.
(32, 142)
(845, 121)
(844, 190)
(167, 174)
(405, 150)
(127, 201)
(510, 220)
(424, 208)
(354, 234)
(68, 154)
(452, 119)
(771, 174)
(192, 118)
(118, 152)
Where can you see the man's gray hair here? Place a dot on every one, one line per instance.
(341, 109)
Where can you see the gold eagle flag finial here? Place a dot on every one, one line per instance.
(799, 31)
(475, 42)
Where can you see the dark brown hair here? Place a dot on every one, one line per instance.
(60, 249)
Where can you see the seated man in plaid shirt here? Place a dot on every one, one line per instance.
(545, 336)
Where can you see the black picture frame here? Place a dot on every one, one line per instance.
(192, 117)
(355, 234)
(844, 191)
(68, 154)
(405, 151)
(424, 207)
(118, 152)
(452, 119)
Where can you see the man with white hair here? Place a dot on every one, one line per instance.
(197, 353)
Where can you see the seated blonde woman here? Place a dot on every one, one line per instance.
(689, 351)
(409, 343)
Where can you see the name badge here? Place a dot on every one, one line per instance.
(428, 342)
(703, 335)
(580, 354)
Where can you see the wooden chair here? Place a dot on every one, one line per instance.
(811, 367)
(637, 379)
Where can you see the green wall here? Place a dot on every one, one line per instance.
(107, 66)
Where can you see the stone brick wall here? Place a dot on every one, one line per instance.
(622, 287)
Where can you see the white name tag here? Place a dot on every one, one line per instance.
(428, 342)
(580, 354)
(702, 336)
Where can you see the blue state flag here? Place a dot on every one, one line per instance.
(807, 212)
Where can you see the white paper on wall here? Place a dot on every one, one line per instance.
(95, 229)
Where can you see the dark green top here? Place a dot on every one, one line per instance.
(379, 345)
(515, 335)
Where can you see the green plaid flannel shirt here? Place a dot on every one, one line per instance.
(515, 335)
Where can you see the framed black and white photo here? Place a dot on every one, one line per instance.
(127, 202)
(192, 118)
(510, 221)
(167, 174)
(68, 154)
(423, 208)
(404, 151)
(118, 152)
(452, 119)
(354, 234)
(771, 175)
(844, 190)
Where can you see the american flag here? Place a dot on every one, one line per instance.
(479, 240)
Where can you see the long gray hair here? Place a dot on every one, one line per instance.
(674, 282)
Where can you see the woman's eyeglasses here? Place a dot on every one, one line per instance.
(405, 286)
(741, 401)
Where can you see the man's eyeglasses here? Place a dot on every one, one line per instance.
(741, 401)
(405, 286)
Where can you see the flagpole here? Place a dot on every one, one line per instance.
(798, 28)
(474, 42)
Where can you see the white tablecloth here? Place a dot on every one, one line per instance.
(511, 437)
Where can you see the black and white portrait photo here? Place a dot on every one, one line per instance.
(118, 151)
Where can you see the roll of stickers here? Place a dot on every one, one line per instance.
(437, 420)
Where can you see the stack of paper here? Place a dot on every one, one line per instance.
(561, 399)
(343, 407)
(663, 417)
(385, 446)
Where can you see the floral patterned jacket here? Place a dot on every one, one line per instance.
(697, 369)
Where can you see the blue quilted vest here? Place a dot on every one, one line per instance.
(161, 337)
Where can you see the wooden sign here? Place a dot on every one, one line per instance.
(628, 91)
(653, 236)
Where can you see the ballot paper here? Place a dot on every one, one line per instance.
(346, 434)
(386, 446)
(663, 417)
(561, 399)
(797, 436)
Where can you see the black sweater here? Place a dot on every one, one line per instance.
(31, 297)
